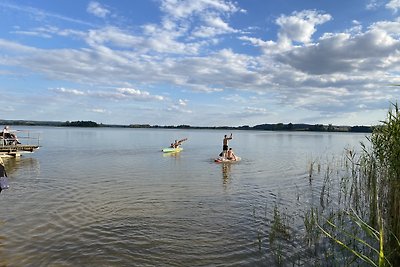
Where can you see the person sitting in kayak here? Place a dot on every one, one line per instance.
(178, 143)
(230, 154)
(173, 145)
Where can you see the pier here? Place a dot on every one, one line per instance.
(16, 150)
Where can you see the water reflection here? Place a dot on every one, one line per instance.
(172, 155)
(13, 165)
(226, 173)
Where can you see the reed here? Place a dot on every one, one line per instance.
(385, 160)
(365, 220)
(279, 235)
(356, 221)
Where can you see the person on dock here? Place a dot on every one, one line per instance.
(225, 145)
(9, 137)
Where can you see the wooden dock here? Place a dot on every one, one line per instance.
(16, 150)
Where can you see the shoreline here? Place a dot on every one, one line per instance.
(290, 127)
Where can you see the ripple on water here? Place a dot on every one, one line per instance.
(115, 200)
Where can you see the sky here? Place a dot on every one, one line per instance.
(201, 63)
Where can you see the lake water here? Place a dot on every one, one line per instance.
(109, 197)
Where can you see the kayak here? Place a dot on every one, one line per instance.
(225, 160)
(172, 150)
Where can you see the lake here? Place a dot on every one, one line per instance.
(110, 197)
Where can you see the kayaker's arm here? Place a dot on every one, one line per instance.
(182, 140)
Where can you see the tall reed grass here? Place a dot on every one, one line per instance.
(364, 221)
(356, 221)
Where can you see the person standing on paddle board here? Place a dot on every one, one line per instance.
(225, 145)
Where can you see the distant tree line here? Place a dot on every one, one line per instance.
(272, 127)
(30, 123)
(311, 127)
(265, 127)
(80, 124)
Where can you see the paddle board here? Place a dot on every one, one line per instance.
(224, 160)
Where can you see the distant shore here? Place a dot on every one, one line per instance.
(264, 127)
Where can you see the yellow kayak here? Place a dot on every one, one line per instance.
(172, 150)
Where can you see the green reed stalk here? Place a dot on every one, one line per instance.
(279, 234)
(361, 224)
(386, 153)
(371, 190)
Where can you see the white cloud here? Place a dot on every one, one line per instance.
(213, 26)
(210, 13)
(372, 5)
(113, 36)
(394, 5)
(117, 94)
(330, 75)
(33, 33)
(255, 41)
(40, 14)
(138, 94)
(300, 26)
(343, 53)
(98, 110)
(16, 47)
(183, 102)
(253, 110)
(184, 9)
(296, 69)
(236, 98)
(391, 27)
(203, 88)
(180, 107)
(336, 55)
(206, 32)
(68, 91)
(97, 9)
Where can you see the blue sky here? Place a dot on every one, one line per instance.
(203, 62)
